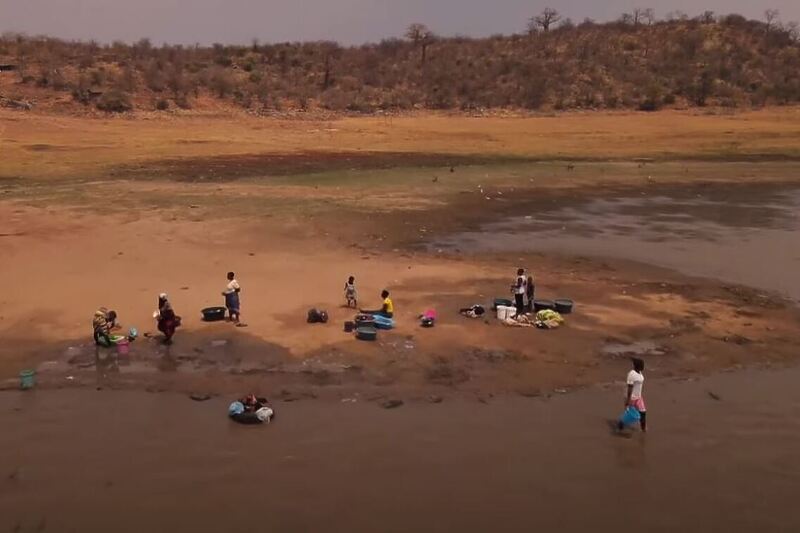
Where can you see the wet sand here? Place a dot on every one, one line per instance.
(86, 460)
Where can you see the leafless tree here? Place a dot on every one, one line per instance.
(644, 16)
(547, 18)
(416, 32)
(422, 38)
(793, 29)
(707, 17)
(330, 51)
(771, 16)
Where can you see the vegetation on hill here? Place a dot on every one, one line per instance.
(636, 62)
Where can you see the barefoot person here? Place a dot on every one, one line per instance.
(350, 294)
(388, 306)
(166, 318)
(634, 397)
(231, 294)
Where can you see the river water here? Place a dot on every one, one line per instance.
(741, 234)
(721, 456)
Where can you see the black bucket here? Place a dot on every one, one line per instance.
(213, 314)
(349, 326)
(366, 333)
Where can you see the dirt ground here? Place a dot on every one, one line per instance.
(113, 212)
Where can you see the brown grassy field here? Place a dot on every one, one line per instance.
(45, 146)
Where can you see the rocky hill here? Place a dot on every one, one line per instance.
(636, 62)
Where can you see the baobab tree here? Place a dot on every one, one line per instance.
(544, 20)
(422, 37)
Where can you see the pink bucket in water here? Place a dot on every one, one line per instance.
(123, 347)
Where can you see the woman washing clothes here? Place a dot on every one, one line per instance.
(388, 307)
(103, 323)
(167, 320)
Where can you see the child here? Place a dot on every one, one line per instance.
(350, 294)
(634, 397)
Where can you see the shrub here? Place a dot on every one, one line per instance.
(115, 101)
(162, 104)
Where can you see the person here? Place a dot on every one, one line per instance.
(518, 288)
(388, 306)
(634, 397)
(103, 322)
(168, 321)
(350, 294)
(231, 294)
(530, 289)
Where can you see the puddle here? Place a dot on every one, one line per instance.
(748, 235)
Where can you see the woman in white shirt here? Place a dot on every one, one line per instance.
(231, 294)
(634, 397)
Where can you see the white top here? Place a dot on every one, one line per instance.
(637, 380)
(521, 284)
(233, 286)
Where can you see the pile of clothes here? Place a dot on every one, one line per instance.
(548, 319)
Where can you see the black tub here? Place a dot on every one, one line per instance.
(539, 305)
(564, 306)
(365, 333)
(213, 314)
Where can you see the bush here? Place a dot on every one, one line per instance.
(162, 104)
(115, 101)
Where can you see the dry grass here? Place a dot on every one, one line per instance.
(44, 146)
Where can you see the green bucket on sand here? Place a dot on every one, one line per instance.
(27, 379)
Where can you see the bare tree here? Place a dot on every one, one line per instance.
(707, 17)
(416, 33)
(646, 16)
(422, 38)
(793, 29)
(771, 16)
(330, 51)
(547, 18)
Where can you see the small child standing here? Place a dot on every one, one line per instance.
(634, 397)
(350, 294)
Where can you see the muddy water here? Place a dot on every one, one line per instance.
(721, 456)
(748, 235)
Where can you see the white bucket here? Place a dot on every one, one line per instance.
(504, 312)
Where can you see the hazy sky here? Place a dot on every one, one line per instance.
(348, 21)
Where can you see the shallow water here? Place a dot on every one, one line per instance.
(741, 234)
(721, 456)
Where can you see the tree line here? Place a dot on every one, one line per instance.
(636, 62)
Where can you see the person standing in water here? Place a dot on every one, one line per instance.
(518, 289)
(231, 294)
(634, 397)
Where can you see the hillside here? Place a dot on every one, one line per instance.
(633, 63)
